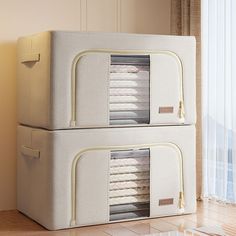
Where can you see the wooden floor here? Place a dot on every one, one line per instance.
(208, 214)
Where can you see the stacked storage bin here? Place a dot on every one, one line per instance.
(106, 127)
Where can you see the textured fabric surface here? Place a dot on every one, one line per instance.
(80, 99)
(186, 20)
(47, 181)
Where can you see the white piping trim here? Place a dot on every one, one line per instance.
(79, 155)
(122, 52)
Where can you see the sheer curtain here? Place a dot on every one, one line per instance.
(219, 99)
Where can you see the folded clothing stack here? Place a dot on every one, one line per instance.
(129, 194)
(129, 90)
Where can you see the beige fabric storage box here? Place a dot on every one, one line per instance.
(70, 178)
(79, 80)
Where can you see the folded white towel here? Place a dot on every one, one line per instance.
(129, 106)
(140, 75)
(129, 192)
(120, 99)
(129, 161)
(129, 184)
(129, 84)
(129, 199)
(128, 91)
(127, 68)
(128, 169)
(129, 177)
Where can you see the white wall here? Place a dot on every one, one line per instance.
(21, 17)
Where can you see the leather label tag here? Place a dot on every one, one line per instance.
(167, 201)
(166, 109)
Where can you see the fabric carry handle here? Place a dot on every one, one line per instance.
(27, 58)
(30, 152)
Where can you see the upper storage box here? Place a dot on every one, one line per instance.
(79, 80)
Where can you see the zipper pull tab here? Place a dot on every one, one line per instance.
(181, 110)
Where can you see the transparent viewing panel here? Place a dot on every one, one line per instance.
(129, 194)
(129, 89)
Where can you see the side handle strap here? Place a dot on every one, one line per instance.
(30, 152)
(27, 58)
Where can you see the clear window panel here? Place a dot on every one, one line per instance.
(129, 192)
(129, 89)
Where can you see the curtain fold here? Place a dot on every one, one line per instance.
(186, 20)
(219, 99)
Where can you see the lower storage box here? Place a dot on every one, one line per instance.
(71, 178)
